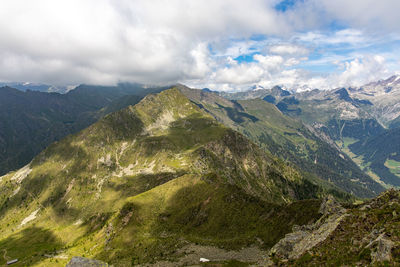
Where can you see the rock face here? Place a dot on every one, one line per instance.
(361, 235)
(306, 237)
(84, 262)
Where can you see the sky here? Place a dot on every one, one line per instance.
(227, 45)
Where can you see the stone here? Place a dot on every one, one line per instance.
(84, 262)
(304, 238)
(383, 249)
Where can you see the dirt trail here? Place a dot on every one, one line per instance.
(5, 255)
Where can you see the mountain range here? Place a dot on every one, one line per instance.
(353, 119)
(165, 176)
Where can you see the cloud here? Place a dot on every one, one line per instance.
(376, 16)
(68, 42)
(239, 74)
(288, 49)
(101, 41)
(361, 70)
(346, 36)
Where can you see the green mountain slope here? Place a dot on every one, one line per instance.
(381, 154)
(145, 181)
(31, 120)
(287, 138)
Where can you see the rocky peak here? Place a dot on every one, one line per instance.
(343, 94)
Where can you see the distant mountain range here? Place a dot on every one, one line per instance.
(31, 120)
(354, 119)
(25, 86)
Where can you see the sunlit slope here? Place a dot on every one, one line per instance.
(145, 180)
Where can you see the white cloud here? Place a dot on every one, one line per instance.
(239, 74)
(65, 42)
(288, 49)
(378, 16)
(270, 63)
(347, 36)
(102, 41)
(361, 70)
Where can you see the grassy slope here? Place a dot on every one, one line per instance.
(378, 152)
(141, 182)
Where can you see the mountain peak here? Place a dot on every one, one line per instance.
(157, 111)
(343, 94)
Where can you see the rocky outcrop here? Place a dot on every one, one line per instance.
(304, 238)
(365, 234)
(382, 249)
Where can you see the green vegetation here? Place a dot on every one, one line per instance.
(393, 165)
(380, 155)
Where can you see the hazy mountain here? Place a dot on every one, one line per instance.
(151, 182)
(36, 87)
(384, 96)
(275, 93)
(31, 120)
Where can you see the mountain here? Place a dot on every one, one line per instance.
(384, 96)
(340, 115)
(287, 138)
(272, 94)
(353, 118)
(31, 120)
(152, 183)
(35, 87)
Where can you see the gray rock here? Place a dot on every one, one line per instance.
(84, 262)
(383, 247)
(304, 238)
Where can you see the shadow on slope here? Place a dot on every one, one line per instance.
(29, 246)
(156, 224)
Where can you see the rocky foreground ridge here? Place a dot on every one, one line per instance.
(357, 235)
